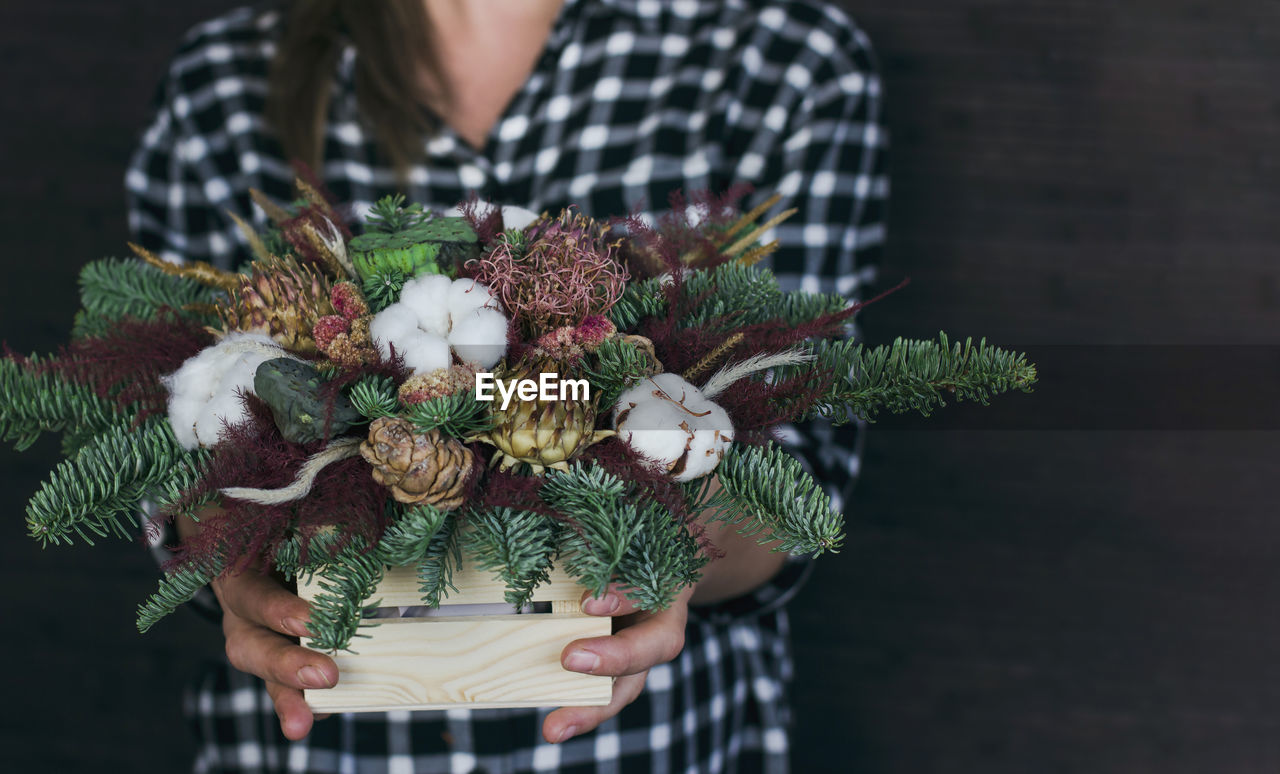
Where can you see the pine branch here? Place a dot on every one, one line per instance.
(408, 540)
(382, 287)
(459, 415)
(104, 481)
(44, 402)
(113, 288)
(375, 397)
(911, 375)
(518, 546)
(177, 588)
(389, 215)
(442, 557)
(172, 496)
(661, 559)
(618, 365)
(768, 494)
(346, 583)
(605, 518)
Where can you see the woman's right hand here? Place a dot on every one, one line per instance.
(261, 620)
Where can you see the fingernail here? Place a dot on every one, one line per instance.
(312, 677)
(606, 605)
(568, 733)
(296, 626)
(581, 661)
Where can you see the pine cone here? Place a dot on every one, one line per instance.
(417, 467)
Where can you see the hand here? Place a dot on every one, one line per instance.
(260, 619)
(644, 640)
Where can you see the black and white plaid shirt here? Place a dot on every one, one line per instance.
(631, 100)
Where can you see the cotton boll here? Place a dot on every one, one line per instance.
(466, 295)
(204, 391)
(393, 325)
(226, 408)
(424, 352)
(428, 297)
(669, 420)
(517, 217)
(480, 337)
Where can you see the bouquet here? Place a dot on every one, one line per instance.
(512, 390)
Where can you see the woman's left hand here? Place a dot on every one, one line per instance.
(644, 640)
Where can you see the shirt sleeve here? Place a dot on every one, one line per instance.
(178, 187)
(822, 145)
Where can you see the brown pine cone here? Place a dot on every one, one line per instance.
(417, 467)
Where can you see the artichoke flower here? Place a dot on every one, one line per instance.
(542, 433)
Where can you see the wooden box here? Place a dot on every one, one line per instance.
(465, 661)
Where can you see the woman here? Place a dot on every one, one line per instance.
(609, 105)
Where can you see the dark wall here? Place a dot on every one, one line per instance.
(1078, 580)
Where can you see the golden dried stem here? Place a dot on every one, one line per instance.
(746, 241)
(755, 254)
(315, 198)
(199, 271)
(275, 212)
(749, 218)
(255, 242)
(713, 357)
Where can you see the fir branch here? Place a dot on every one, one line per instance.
(173, 496)
(382, 287)
(37, 400)
(442, 557)
(408, 540)
(910, 375)
(177, 588)
(606, 522)
(104, 481)
(389, 215)
(346, 583)
(618, 364)
(767, 493)
(458, 414)
(374, 397)
(303, 555)
(518, 546)
(662, 558)
(113, 288)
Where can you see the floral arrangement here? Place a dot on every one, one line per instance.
(497, 387)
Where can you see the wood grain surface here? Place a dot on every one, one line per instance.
(1084, 584)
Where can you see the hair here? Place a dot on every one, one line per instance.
(392, 41)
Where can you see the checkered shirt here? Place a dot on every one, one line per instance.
(631, 100)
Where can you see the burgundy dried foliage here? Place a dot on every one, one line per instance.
(253, 454)
(126, 363)
(488, 226)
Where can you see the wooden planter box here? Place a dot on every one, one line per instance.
(470, 661)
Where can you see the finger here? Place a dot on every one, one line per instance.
(262, 600)
(295, 716)
(612, 602)
(653, 640)
(568, 722)
(274, 658)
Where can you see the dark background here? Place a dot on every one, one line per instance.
(1083, 580)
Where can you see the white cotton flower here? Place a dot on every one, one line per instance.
(204, 394)
(670, 421)
(435, 313)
